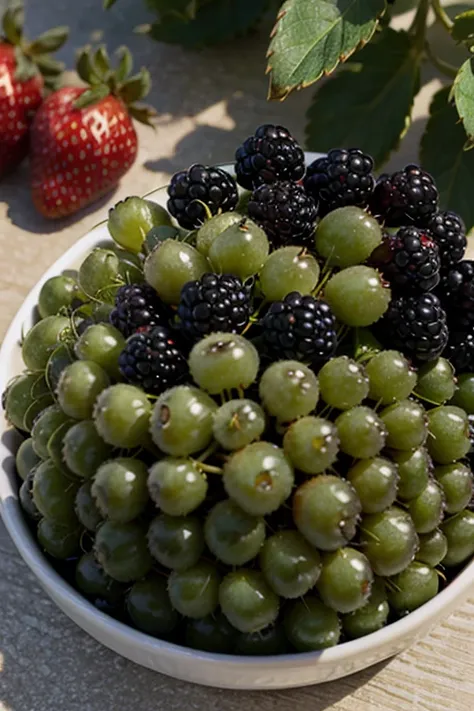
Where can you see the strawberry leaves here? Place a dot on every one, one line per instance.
(94, 68)
(33, 57)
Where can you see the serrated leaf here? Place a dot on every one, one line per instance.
(311, 38)
(463, 92)
(125, 64)
(92, 96)
(50, 41)
(443, 154)
(369, 106)
(463, 29)
(214, 22)
(136, 88)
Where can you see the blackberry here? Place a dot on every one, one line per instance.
(214, 303)
(343, 177)
(408, 196)
(300, 328)
(137, 306)
(271, 154)
(456, 292)
(152, 360)
(409, 260)
(449, 234)
(192, 191)
(460, 351)
(285, 212)
(415, 325)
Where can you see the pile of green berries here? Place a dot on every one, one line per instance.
(219, 451)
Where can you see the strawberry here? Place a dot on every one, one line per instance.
(83, 140)
(22, 83)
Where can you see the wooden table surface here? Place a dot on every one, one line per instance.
(208, 103)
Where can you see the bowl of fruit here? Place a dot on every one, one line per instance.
(236, 443)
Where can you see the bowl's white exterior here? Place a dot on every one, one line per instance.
(203, 668)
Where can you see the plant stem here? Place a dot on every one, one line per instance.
(442, 15)
(208, 468)
(418, 27)
(445, 68)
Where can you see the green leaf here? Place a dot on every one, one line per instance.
(25, 67)
(215, 21)
(311, 38)
(160, 234)
(12, 23)
(101, 63)
(463, 93)
(443, 154)
(92, 96)
(180, 8)
(48, 66)
(143, 114)
(85, 67)
(136, 88)
(463, 29)
(109, 3)
(125, 64)
(50, 41)
(370, 105)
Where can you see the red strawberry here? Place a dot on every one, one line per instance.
(83, 140)
(22, 84)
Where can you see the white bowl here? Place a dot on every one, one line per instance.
(225, 671)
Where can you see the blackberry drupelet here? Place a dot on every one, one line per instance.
(137, 306)
(269, 155)
(406, 197)
(460, 351)
(285, 212)
(449, 233)
(214, 303)
(190, 191)
(456, 292)
(343, 177)
(409, 260)
(152, 360)
(300, 328)
(415, 325)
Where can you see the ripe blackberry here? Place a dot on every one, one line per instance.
(460, 351)
(449, 234)
(415, 325)
(409, 260)
(190, 191)
(152, 360)
(214, 303)
(271, 154)
(285, 212)
(137, 306)
(301, 328)
(408, 196)
(456, 292)
(343, 177)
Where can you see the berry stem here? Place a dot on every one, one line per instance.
(319, 287)
(241, 392)
(254, 317)
(207, 452)
(208, 468)
(425, 399)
